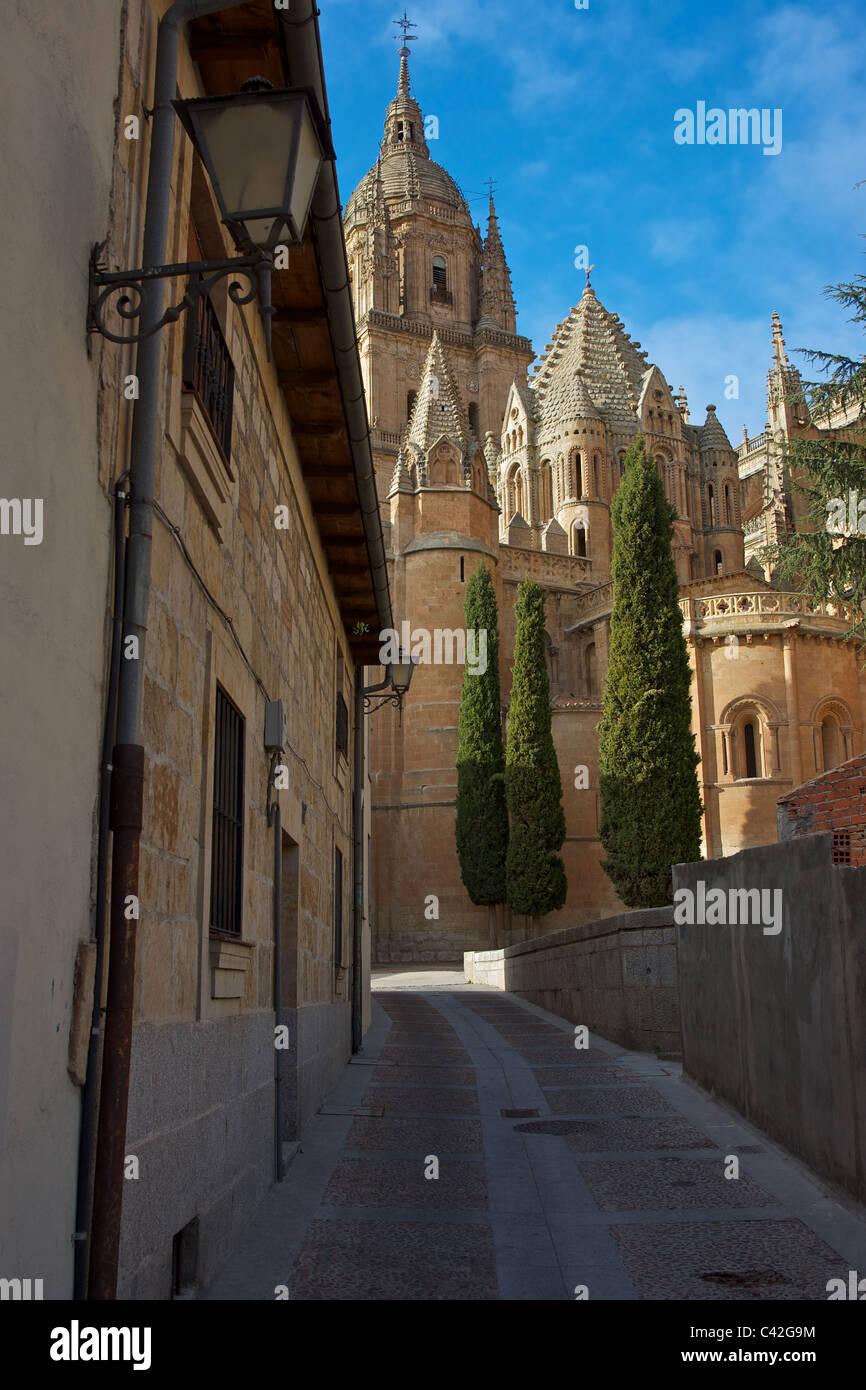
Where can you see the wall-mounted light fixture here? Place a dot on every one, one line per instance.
(262, 148)
(396, 683)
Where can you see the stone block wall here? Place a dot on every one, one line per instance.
(618, 977)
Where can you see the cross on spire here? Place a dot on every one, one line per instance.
(405, 24)
(491, 185)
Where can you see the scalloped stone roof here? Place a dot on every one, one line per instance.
(591, 370)
(712, 433)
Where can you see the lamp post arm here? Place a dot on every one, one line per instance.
(129, 287)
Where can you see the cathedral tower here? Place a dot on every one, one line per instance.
(419, 264)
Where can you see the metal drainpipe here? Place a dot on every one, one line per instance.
(127, 782)
(274, 818)
(358, 867)
(90, 1092)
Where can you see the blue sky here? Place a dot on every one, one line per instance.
(572, 113)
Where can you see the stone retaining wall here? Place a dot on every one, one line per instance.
(617, 976)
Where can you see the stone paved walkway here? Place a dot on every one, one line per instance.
(609, 1176)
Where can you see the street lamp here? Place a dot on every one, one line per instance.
(396, 682)
(262, 148)
(263, 153)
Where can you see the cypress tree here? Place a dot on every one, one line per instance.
(482, 820)
(650, 799)
(535, 874)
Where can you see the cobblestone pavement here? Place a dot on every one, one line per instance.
(558, 1169)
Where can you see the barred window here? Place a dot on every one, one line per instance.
(208, 370)
(226, 884)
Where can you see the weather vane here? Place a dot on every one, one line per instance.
(405, 24)
(587, 274)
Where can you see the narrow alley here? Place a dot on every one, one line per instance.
(563, 1173)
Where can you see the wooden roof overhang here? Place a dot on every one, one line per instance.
(229, 47)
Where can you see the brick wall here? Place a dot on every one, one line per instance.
(835, 802)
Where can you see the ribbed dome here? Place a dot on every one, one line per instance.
(590, 371)
(406, 175)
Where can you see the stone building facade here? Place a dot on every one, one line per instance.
(261, 589)
(772, 506)
(477, 461)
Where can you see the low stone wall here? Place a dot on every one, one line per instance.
(775, 1022)
(617, 976)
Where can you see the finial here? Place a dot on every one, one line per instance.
(587, 273)
(405, 24)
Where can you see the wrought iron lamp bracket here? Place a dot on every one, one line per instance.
(130, 285)
(379, 701)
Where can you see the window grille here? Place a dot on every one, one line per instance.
(226, 884)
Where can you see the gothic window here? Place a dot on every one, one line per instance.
(580, 540)
(399, 130)
(711, 507)
(729, 516)
(473, 419)
(718, 562)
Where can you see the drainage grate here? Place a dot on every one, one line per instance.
(745, 1278)
(518, 1114)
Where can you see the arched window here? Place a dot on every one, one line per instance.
(411, 398)
(440, 273)
(399, 130)
(546, 499)
(577, 475)
(831, 742)
(473, 419)
(580, 540)
(515, 497)
(751, 747)
(711, 510)
(718, 562)
(729, 515)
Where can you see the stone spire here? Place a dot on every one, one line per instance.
(404, 119)
(784, 410)
(497, 299)
(437, 410)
